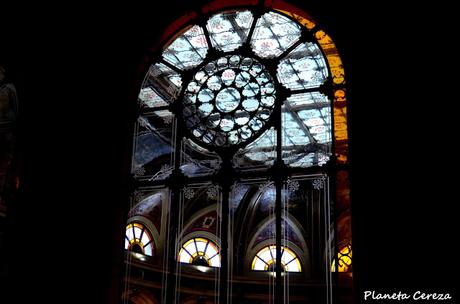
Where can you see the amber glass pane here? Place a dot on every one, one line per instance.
(332, 55)
(340, 126)
(345, 259)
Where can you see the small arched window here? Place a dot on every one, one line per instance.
(200, 252)
(265, 260)
(138, 239)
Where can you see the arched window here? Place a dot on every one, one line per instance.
(265, 260)
(242, 106)
(138, 239)
(200, 252)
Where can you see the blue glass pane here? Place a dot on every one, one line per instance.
(273, 34)
(228, 31)
(303, 68)
(188, 50)
(307, 135)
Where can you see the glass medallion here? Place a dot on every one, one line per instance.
(231, 98)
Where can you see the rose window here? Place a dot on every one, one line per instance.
(228, 100)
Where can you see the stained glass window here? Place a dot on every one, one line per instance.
(265, 260)
(200, 252)
(237, 104)
(138, 239)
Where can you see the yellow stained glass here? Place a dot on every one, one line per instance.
(340, 126)
(332, 55)
(304, 21)
(345, 259)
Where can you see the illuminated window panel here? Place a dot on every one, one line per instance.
(138, 239)
(188, 50)
(293, 133)
(318, 122)
(303, 68)
(306, 130)
(228, 31)
(200, 252)
(265, 260)
(332, 55)
(273, 34)
(345, 260)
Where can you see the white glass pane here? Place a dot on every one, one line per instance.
(188, 50)
(145, 238)
(184, 257)
(210, 251)
(129, 233)
(126, 244)
(294, 266)
(303, 68)
(273, 34)
(273, 250)
(148, 250)
(265, 256)
(228, 31)
(201, 246)
(191, 248)
(258, 264)
(215, 261)
(286, 257)
(137, 232)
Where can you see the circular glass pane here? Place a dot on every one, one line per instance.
(229, 100)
